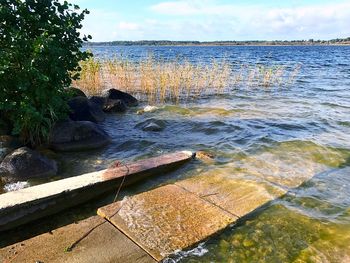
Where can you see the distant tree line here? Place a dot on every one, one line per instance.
(221, 43)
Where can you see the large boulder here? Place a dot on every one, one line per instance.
(75, 92)
(114, 106)
(24, 163)
(114, 94)
(77, 136)
(84, 110)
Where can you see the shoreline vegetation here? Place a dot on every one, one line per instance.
(159, 81)
(310, 42)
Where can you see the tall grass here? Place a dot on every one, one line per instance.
(159, 81)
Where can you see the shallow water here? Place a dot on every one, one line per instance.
(274, 136)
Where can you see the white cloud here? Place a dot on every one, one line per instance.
(180, 7)
(208, 20)
(256, 22)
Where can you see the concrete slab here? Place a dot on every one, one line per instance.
(238, 196)
(103, 244)
(25, 205)
(166, 219)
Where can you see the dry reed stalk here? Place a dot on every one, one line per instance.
(159, 81)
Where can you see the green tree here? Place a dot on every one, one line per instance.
(40, 50)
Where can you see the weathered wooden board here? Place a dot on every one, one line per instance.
(166, 219)
(31, 203)
(103, 244)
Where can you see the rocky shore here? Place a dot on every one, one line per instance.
(80, 132)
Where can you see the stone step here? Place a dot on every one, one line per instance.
(166, 219)
(179, 216)
(239, 196)
(93, 240)
(25, 205)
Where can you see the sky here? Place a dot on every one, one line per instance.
(210, 20)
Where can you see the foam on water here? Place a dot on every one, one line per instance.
(179, 255)
(15, 186)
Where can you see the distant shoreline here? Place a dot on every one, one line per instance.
(333, 42)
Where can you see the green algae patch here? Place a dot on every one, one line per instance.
(281, 235)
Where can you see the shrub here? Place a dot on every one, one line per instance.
(39, 56)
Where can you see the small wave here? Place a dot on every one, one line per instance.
(179, 255)
(333, 105)
(15, 186)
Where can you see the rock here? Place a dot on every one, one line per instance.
(75, 92)
(109, 105)
(152, 125)
(205, 157)
(114, 94)
(77, 136)
(24, 163)
(114, 106)
(84, 110)
(100, 101)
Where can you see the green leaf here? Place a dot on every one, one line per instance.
(40, 48)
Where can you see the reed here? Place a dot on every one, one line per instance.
(91, 78)
(160, 81)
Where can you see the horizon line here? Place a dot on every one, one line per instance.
(213, 41)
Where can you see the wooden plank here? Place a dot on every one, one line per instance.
(95, 239)
(31, 203)
(166, 219)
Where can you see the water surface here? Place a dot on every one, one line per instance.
(279, 135)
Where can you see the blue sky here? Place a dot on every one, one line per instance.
(208, 20)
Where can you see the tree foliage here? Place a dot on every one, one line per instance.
(40, 50)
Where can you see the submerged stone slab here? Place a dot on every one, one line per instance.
(25, 205)
(166, 219)
(103, 244)
(238, 196)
